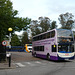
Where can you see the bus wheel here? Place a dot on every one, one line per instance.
(48, 57)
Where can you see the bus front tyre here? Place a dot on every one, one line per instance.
(48, 57)
(34, 54)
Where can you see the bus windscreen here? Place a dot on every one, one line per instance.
(64, 35)
(65, 48)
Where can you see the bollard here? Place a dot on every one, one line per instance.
(9, 59)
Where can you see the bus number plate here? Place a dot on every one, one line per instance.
(66, 54)
(66, 59)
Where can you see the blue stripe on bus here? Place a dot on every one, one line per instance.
(65, 43)
(59, 58)
(64, 52)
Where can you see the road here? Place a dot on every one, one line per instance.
(28, 65)
(22, 56)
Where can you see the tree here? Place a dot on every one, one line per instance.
(44, 24)
(35, 28)
(5, 16)
(21, 23)
(8, 19)
(25, 39)
(41, 25)
(53, 25)
(66, 20)
(15, 40)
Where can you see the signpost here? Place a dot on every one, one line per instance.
(4, 43)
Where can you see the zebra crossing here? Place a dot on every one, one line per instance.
(37, 63)
(31, 63)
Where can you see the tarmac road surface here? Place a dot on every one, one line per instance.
(22, 56)
(37, 66)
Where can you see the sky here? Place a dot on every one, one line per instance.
(46, 8)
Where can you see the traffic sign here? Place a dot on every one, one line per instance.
(4, 43)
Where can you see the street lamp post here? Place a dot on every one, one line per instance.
(10, 30)
(9, 55)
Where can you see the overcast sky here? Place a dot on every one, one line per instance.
(46, 8)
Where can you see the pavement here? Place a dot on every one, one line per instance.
(5, 65)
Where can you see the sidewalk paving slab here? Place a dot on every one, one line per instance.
(6, 66)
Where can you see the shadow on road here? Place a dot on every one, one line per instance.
(57, 61)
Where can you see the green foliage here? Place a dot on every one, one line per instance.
(21, 23)
(34, 26)
(53, 25)
(66, 20)
(15, 40)
(8, 19)
(5, 16)
(25, 39)
(44, 24)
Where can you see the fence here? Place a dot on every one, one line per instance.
(2, 52)
(16, 48)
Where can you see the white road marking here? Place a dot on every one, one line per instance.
(20, 65)
(30, 64)
(35, 63)
(38, 62)
(42, 63)
(70, 67)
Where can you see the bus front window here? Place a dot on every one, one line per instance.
(65, 48)
(64, 35)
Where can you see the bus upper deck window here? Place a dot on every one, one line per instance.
(44, 36)
(52, 34)
(48, 35)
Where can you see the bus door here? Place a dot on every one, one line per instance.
(54, 48)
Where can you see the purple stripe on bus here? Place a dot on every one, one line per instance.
(44, 56)
(53, 58)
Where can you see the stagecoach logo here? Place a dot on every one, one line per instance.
(46, 48)
(66, 54)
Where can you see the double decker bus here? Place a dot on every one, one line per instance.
(56, 44)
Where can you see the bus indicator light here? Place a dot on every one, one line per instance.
(54, 45)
